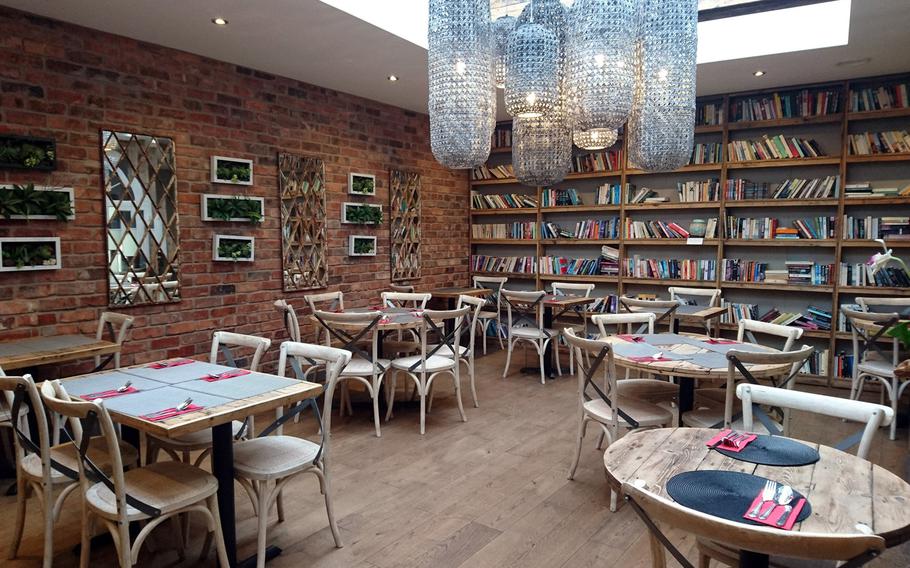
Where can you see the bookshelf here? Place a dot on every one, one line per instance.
(831, 130)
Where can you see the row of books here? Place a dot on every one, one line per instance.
(605, 305)
(860, 274)
(518, 264)
(770, 228)
(817, 363)
(643, 195)
(808, 273)
(501, 200)
(868, 227)
(786, 105)
(773, 148)
(502, 137)
(569, 266)
(483, 171)
(879, 98)
(609, 261)
(670, 268)
(887, 142)
(865, 189)
(814, 318)
(739, 270)
(707, 153)
(664, 229)
(588, 229)
(519, 230)
(691, 191)
(559, 197)
(710, 114)
(603, 161)
(796, 188)
(609, 194)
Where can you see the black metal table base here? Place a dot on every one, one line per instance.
(270, 553)
(749, 559)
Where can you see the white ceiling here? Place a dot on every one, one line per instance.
(316, 43)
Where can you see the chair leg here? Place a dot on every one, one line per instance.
(124, 550)
(582, 427)
(457, 381)
(895, 396)
(499, 331)
(21, 504)
(555, 341)
(508, 358)
(220, 549)
(391, 402)
(423, 407)
(600, 439)
(48, 496)
(375, 397)
(540, 353)
(483, 332)
(330, 510)
(264, 495)
(180, 539)
(471, 375)
(88, 530)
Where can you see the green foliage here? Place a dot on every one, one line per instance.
(902, 332)
(28, 254)
(233, 171)
(23, 154)
(25, 200)
(235, 249)
(364, 246)
(363, 215)
(227, 208)
(363, 185)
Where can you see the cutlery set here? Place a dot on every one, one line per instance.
(777, 495)
(169, 412)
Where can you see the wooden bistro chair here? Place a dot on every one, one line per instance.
(581, 312)
(405, 288)
(357, 333)
(874, 360)
(289, 317)
(424, 369)
(49, 471)
(265, 464)
(404, 342)
(600, 400)
(660, 392)
(466, 352)
(327, 302)
(179, 448)
(151, 495)
(492, 310)
(665, 310)
(708, 297)
(526, 309)
(117, 326)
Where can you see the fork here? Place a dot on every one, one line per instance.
(767, 494)
(182, 406)
(126, 386)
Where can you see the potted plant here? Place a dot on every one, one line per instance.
(29, 253)
(231, 248)
(361, 245)
(29, 153)
(30, 202)
(235, 171)
(361, 214)
(361, 184)
(235, 208)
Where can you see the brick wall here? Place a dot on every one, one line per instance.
(67, 82)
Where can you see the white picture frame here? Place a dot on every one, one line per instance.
(216, 245)
(217, 161)
(347, 205)
(68, 190)
(352, 245)
(357, 177)
(55, 241)
(204, 208)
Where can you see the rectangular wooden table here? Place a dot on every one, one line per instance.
(697, 314)
(223, 401)
(34, 351)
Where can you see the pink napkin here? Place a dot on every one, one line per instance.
(713, 341)
(649, 359)
(108, 393)
(776, 513)
(214, 378)
(631, 338)
(170, 413)
(168, 363)
(728, 446)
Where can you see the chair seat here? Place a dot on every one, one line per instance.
(196, 441)
(877, 367)
(651, 390)
(434, 364)
(533, 333)
(67, 455)
(360, 367)
(168, 486)
(446, 351)
(645, 413)
(273, 457)
(400, 346)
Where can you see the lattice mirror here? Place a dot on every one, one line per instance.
(140, 203)
(301, 183)
(404, 225)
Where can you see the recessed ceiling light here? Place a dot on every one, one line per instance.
(853, 62)
(759, 73)
(219, 21)
(393, 78)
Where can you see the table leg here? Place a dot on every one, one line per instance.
(686, 396)
(223, 469)
(549, 352)
(748, 559)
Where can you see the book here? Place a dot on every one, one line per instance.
(786, 104)
(773, 148)
(871, 143)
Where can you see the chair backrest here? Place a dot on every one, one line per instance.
(872, 415)
(866, 325)
(406, 288)
(633, 321)
(664, 309)
(764, 540)
(748, 327)
(333, 360)
(524, 305)
(474, 304)
(118, 326)
(434, 321)
(289, 317)
(700, 296)
(494, 283)
(222, 341)
(879, 304)
(588, 353)
(346, 330)
(405, 300)
(576, 288)
(23, 388)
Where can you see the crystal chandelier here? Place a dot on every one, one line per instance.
(502, 27)
(662, 122)
(595, 138)
(462, 101)
(532, 71)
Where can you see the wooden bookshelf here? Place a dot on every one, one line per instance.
(673, 205)
(776, 286)
(878, 114)
(858, 201)
(671, 282)
(874, 158)
(762, 203)
(861, 243)
(784, 163)
(579, 241)
(580, 208)
(669, 242)
(514, 242)
(579, 278)
(784, 122)
(506, 211)
(825, 243)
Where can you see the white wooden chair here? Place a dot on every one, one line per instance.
(527, 307)
(150, 495)
(492, 311)
(466, 352)
(401, 345)
(327, 302)
(665, 310)
(264, 465)
(179, 448)
(577, 289)
(118, 327)
(708, 297)
(604, 403)
(49, 471)
(660, 392)
(424, 369)
(872, 360)
(357, 333)
(289, 317)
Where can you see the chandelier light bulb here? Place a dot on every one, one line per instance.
(532, 79)
(595, 138)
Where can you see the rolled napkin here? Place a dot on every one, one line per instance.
(714, 341)
(631, 338)
(109, 393)
(170, 413)
(215, 377)
(731, 441)
(168, 363)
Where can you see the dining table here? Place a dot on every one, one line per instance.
(51, 349)
(217, 402)
(848, 494)
(686, 356)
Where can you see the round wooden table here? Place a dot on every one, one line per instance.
(845, 491)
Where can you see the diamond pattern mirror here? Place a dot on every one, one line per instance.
(140, 201)
(301, 182)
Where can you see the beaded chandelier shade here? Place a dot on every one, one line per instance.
(532, 71)
(662, 122)
(502, 27)
(595, 138)
(462, 102)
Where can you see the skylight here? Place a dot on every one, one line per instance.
(814, 26)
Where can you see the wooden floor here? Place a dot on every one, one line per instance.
(491, 492)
